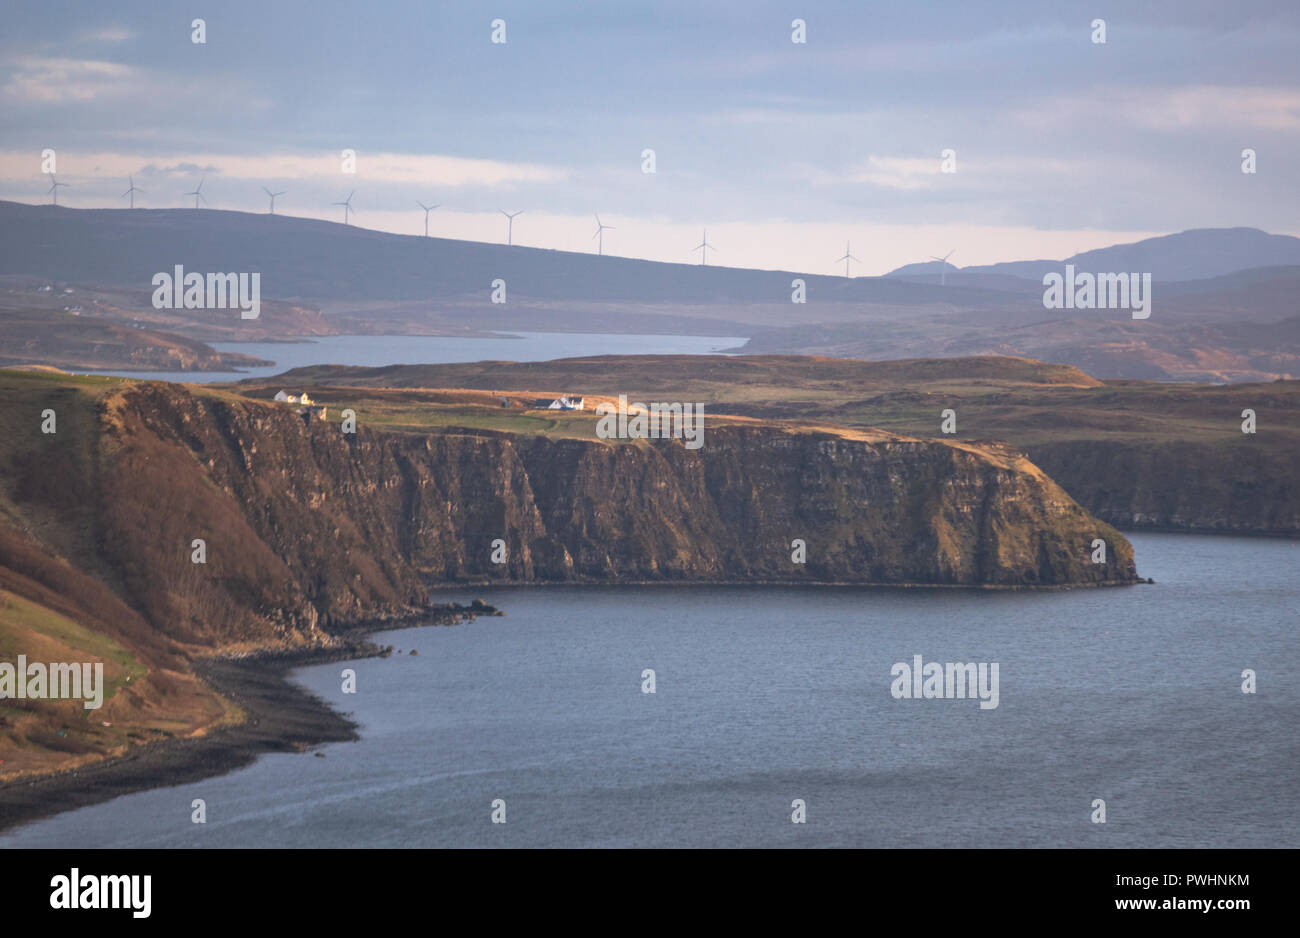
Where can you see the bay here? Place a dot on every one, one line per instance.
(380, 350)
(767, 695)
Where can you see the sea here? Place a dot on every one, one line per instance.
(1122, 720)
(378, 350)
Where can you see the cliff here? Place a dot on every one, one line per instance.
(1139, 454)
(1239, 486)
(306, 527)
(308, 531)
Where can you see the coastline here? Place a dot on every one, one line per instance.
(810, 584)
(1281, 534)
(280, 716)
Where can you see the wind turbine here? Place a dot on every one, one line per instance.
(600, 233)
(272, 195)
(132, 191)
(943, 271)
(705, 246)
(510, 228)
(198, 193)
(427, 210)
(846, 258)
(54, 188)
(347, 205)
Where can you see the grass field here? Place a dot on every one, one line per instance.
(1016, 400)
(35, 735)
(44, 635)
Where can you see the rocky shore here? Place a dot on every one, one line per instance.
(279, 716)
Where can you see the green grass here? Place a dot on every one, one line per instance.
(20, 619)
(13, 378)
(416, 416)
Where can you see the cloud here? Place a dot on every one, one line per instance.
(456, 171)
(1051, 131)
(1170, 109)
(41, 80)
(173, 171)
(106, 34)
(908, 174)
(443, 172)
(888, 172)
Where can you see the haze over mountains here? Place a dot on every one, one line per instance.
(1224, 299)
(1189, 255)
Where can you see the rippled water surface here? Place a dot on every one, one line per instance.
(768, 695)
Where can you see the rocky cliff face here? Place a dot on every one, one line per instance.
(307, 527)
(1213, 487)
(891, 511)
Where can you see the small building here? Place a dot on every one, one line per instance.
(563, 402)
(287, 397)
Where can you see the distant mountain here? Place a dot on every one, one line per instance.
(982, 278)
(317, 260)
(330, 278)
(312, 260)
(1189, 255)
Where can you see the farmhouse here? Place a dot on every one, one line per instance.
(287, 397)
(563, 402)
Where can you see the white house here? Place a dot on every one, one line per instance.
(285, 397)
(567, 402)
(563, 402)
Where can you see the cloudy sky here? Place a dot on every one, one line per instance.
(783, 151)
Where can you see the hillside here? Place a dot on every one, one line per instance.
(63, 340)
(327, 262)
(1211, 337)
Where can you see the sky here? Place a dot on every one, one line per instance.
(785, 152)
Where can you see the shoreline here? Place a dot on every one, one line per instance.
(280, 716)
(435, 588)
(1281, 534)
